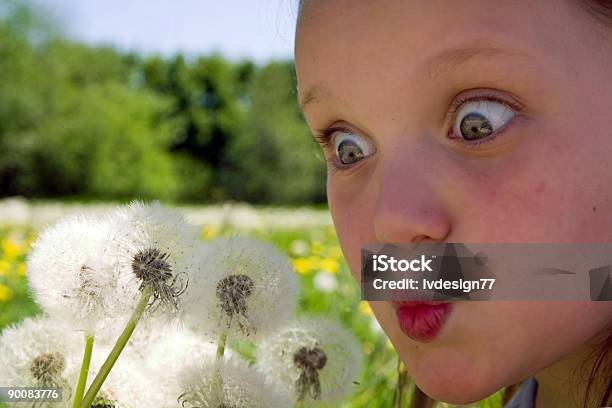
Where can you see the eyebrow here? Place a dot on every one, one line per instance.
(437, 64)
(454, 57)
(310, 95)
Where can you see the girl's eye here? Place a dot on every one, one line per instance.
(350, 148)
(480, 119)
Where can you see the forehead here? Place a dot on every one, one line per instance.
(340, 43)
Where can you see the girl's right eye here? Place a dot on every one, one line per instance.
(343, 147)
(350, 148)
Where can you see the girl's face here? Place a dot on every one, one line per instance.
(464, 121)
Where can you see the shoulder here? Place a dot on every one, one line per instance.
(525, 397)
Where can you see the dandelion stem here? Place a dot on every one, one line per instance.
(80, 390)
(221, 345)
(117, 349)
(218, 379)
(402, 378)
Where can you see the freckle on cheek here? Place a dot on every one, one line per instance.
(556, 148)
(540, 187)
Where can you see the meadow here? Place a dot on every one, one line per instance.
(326, 285)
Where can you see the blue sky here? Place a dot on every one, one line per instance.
(256, 29)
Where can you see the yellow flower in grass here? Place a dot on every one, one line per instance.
(10, 248)
(305, 265)
(5, 267)
(329, 265)
(21, 270)
(5, 293)
(365, 309)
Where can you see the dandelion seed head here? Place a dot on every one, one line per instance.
(103, 400)
(310, 358)
(152, 268)
(46, 367)
(40, 352)
(150, 265)
(233, 292)
(309, 361)
(239, 386)
(67, 275)
(317, 359)
(152, 246)
(246, 287)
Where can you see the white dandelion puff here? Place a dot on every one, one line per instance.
(317, 359)
(66, 276)
(247, 288)
(152, 253)
(325, 282)
(127, 385)
(173, 349)
(171, 353)
(229, 382)
(299, 247)
(145, 337)
(153, 247)
(40, 352)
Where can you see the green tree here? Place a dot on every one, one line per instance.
(209, 107)
(85, 121)
(131, 158)
(274, 159)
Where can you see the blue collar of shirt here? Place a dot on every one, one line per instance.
(526, 395)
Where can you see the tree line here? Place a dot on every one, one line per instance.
(79, 121)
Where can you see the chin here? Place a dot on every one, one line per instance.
(454, 393)
(451, 380)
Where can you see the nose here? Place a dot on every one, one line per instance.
(407, 208)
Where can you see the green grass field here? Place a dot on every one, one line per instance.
(327, 288)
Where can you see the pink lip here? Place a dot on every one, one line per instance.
(422, 321)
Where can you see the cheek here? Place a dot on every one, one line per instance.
(352, 217)
(556, 190)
